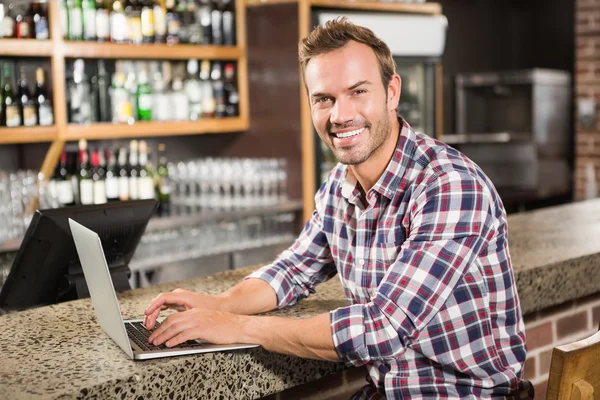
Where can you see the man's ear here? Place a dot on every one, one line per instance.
(393, 91)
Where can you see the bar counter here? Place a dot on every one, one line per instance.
(60, 352)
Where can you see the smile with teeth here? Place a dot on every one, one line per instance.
(348, 134)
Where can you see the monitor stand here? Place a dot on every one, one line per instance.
(119, 274)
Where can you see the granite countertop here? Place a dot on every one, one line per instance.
(60, 351)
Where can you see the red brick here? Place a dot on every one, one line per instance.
(539, 336)
(545, 360)
(540, 390)
(530, 372)
(596, 317)
(571, 324)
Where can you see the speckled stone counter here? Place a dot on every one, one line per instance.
(60, 351)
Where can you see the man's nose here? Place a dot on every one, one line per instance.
(342, 112)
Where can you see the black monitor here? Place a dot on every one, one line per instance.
(46, 269)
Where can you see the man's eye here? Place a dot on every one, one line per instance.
(323, 99)
(360, 91)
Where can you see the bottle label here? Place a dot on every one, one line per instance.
(160, 22)
(102, 24)
(75, 23)
(46, 116)
(112, 188)
(86, 191)
(24, 29)
(7, 26)
(29, 116)
(133, 188)
(119, 27)
(123, 188)
(99, 192)
(64, 20)
(64, 193)
(41, 29)
(173, 27)
(165, 185)
(146, 188)
(144, 102)
(135, 29)
(13, 117)
(148, 22)
(89, 23)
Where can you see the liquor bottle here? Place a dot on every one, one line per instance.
(133, 10)
(75, 20)
(123, 175)
(163, 183)
(161, 110)
(160, 22)
(232, 96)
(134, 170)
(147, 21)
(179, 99)
(122, 111)
(27, 102)
(45, 113)
(144, 97)
(11, 114)
(98, 177)
(229, 23)
(131, 85)
(64, 18)
(40, 20)
(119, 24)
(89, 19)
(8, 22)
(112, 177)
(102, 21)
(204, 17)
(208, 99)
(79, 95)
(193, 90)
(104, 114)
(173, 22)
(218, 88)
(2, 13)
(62, 182)
(187, 14)
(23, 25)
(146, 177)
(86, 184)
(216, 20)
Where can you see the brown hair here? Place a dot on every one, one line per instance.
(335, 35)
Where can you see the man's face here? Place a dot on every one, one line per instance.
(349, 104)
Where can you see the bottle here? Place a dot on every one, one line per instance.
(104, 114)
(102, 21)
(173, 22)
(75, 20)
(160, 103)
(89, 19)
(232, 97)
(179, 99)
(204, 17)
(40, 20)
(123, 175)
(94, 95)
(45, 113)
(218, 88)
(27, 102)
(229, 23)
(23, 25)
(79, 94)
(133, 10)
(160, 22)
(193, 91)
(62, 182)
(208, 98)
(8, 22)
(134, 170)
(147, 21)
(99, 176)
(216, 20)
(187, 14)
(119, 23)
(163, 183)
(131, 85)
(122, 111)
(146, 177)
(86, 184)
(11, 114)
(144, 97)
(112, 177)
(64, 18)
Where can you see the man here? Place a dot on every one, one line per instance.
(416, 232)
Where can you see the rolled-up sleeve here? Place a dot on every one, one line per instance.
(450, 224)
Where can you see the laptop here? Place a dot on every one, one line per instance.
(131, 336)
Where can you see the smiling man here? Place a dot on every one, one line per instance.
(416, 233)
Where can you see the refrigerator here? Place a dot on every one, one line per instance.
(417, 44)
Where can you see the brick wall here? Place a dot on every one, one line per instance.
(587, 85)
(553, 327)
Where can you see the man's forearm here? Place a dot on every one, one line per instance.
(306, 338)
(252, 296)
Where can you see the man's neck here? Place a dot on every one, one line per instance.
(368, 173)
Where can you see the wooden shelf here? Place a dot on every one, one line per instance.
(415, 8)
(145, 129)
(150, 51)
(258, 3)
(26, 47)
(24, 134)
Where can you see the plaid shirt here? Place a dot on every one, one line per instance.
(434, 311)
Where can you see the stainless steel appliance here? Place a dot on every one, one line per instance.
(516, 126)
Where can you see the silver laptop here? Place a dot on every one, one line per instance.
(131, 336)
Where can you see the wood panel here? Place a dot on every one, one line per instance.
(26, 47)
(28, 134)
(150, 51)
(413, 8)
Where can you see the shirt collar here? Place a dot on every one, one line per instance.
(389, 182)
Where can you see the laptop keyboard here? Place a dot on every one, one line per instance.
(139, 335)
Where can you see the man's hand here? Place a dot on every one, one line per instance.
(180, 300)
(198, 323)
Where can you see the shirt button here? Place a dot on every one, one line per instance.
(361, 262)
